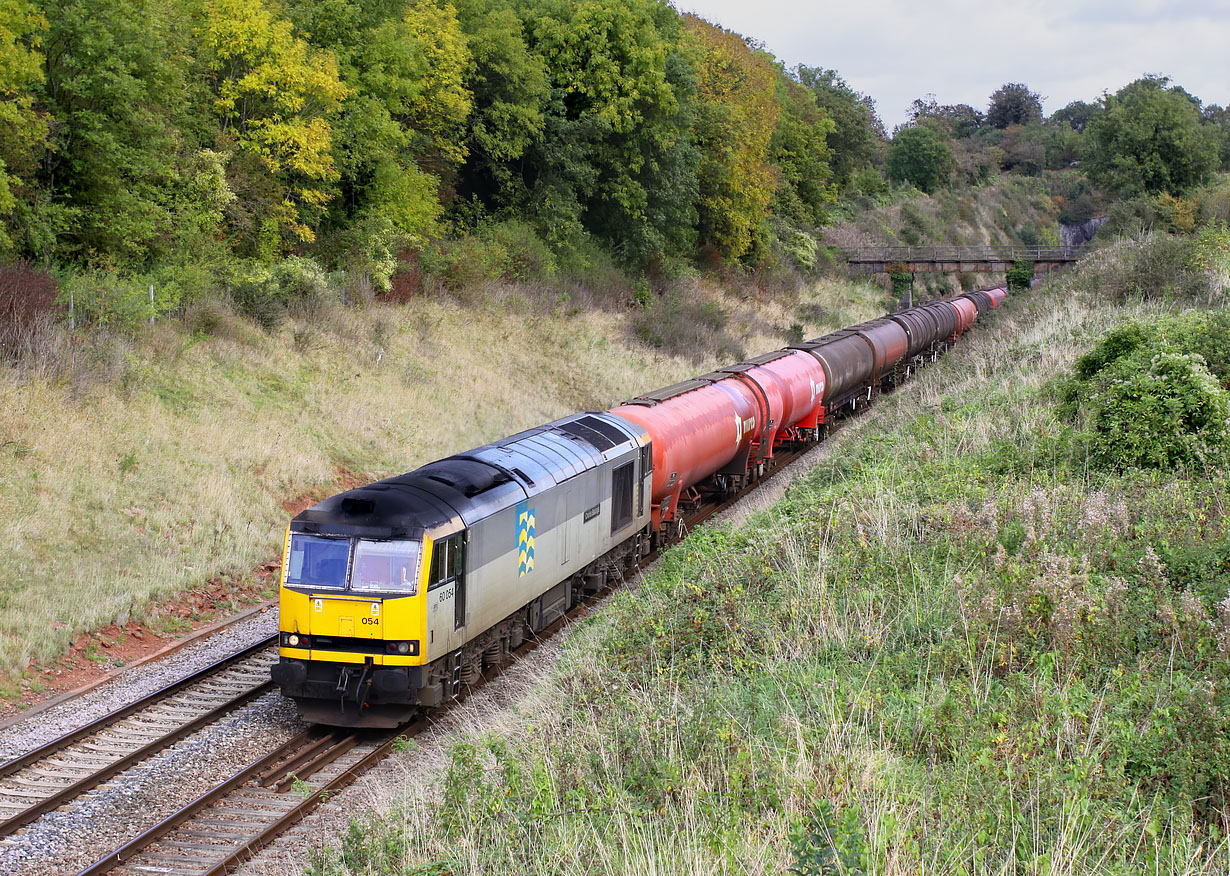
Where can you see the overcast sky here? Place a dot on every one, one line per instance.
(962, 50)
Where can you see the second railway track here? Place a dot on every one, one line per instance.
(51, 775)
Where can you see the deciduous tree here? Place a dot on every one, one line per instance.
(616, 158)
(921, 157)
(736, 117)
(510, 92)
(116, 81)
(800, 152)
(23, 131)
(274, 97)
(1014, 104)
(858, 135)
(1148, 139)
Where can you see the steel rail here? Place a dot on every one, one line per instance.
(271, 771)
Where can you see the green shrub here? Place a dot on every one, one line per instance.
(526, 255)
(1207, 334)
(1123, 340)
(687, 324)
(870, 183)
(504, 252)
(586, 263)
(1211, 256)
(799, 246)
(1020, 275)
(116, 301)
(266, 293)
(916, 228)
(1154, 395)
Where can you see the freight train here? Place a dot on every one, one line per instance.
(396, 596)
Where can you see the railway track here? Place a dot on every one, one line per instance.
(63, 769)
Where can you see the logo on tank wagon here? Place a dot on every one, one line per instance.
(525, 539)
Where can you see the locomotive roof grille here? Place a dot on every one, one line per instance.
(588, 435)
(617, 435)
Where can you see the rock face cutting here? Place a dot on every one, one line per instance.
(1079, 235)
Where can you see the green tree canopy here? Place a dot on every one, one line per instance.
(274, 97)
(1149, 139)
(1014, 104)
(919, 156)
(735, 122)
(23, 132)
(616, 158)
(510, 93)
(800, 152)
(857, 138)
(1075, 115)
(116, 82)
(957, 120)
(1218, 119)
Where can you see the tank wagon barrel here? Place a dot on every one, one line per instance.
(398, 594)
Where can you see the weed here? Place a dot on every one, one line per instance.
(128, 463)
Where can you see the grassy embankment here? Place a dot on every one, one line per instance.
(135, 470)
(956, 647)
(1013, 210)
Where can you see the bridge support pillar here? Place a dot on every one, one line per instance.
(901, 275)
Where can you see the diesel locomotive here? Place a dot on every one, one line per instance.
(398, 594)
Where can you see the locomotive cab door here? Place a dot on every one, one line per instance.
(446, 593)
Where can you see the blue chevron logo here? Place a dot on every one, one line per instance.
(525, 539)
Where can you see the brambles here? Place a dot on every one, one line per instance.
(27, 310)
(1148, 397)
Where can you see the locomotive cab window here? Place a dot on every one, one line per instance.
(317, 562)
(621, 497)
(446, 561)
(386, 566)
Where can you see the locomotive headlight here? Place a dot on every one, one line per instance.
(403, 647)
(294, 640)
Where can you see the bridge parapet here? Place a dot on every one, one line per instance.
(962, 254)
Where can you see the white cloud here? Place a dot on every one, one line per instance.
(962, 50)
